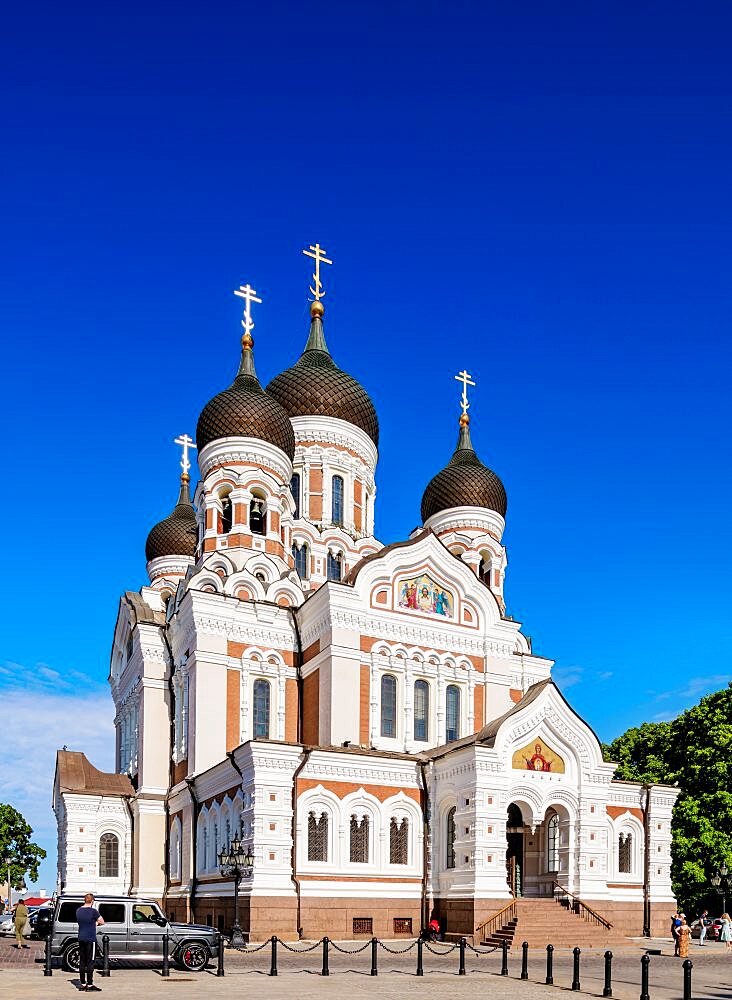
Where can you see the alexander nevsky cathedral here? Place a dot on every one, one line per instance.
(365, 718)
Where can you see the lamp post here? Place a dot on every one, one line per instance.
(235, 862)
(721, 883)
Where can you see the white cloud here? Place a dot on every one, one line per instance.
(567, 676)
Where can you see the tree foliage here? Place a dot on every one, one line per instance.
(16, 846)
(695, 752)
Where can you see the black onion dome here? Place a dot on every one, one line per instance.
(316, 387)
(246, 410)
(176, 535)
(464, 482)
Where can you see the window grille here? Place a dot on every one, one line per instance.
(295, 490)
(452, 706)
(450, 859)
(553, 844)
(402, 925)
(317, 837)
(257, 516)
(108, 856)
(399, 842)
(261, 708)
(360, 839)
(625, 853)
(363, 925)
(421, 710)
(227, 515)
(301, 556)
(388, 705)
(335, 563)
(337, 500)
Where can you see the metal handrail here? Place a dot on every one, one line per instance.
(504, 915)
(584, 910)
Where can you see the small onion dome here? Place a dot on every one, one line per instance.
(464, 482)
(176, 535)
(246, 410)
(316, 387)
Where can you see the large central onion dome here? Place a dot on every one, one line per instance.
(316, 386)
(464, 482)
(246, 410)
(176, 535)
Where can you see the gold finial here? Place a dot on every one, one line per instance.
(247, 293)
(466, 380)
(186, 443)
(318, 254)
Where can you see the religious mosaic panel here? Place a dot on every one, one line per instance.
(537, 756)
(422, 593)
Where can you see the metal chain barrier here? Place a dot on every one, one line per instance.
(434, 951)
(350, 951)
(397, 951)
(298, 951)
(476, 951)
(246, 950)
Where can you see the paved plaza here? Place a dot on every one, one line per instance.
(21, 976)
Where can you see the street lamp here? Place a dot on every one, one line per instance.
(721, 883)
(235, 862)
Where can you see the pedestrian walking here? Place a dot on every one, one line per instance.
(675, 924)
(725, 933)
(684, 934)
(703, 924)
(88, 918)
(20, 919)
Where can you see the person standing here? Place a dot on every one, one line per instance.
(19, 920)
(703, 923)
(88, 918)
(725, 933)
(684, 933)
(675, 924)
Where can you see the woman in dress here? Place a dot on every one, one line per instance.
(725, 933)
(684, 933)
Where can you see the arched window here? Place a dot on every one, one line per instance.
(257, 516)
(625, 853)
(301, 555)
(295, 490)
(335, 565)
(260, 709)
(399, 842)
(388, 705)
(450, 858)
(421, 710)
(359, 840)
(552, 844)
(227, 515)
(202, 859)
(213, 846)
(337, 500)
(452, 713)
(174, 854)
(108, 856)
(317, 837)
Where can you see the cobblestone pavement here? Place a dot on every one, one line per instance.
(21, 976)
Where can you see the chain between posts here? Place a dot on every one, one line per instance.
(297, 951)
(397, 951)
(350, 951)
(247, 950)
(434, 951)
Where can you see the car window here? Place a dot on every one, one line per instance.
(144, 913)
(113, 913)
(67, 911)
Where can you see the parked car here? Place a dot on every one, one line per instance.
(6, 923)
(135, 928)
(714, 928)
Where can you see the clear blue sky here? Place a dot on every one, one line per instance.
(539, 193)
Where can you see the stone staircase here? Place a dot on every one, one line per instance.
(552, 921)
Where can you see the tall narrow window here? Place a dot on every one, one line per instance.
(108, 856)
(295, 490)
(388, 705)
(337, 500)
(257, 516)
(421, 710)
(227, 515)
(335, 566)
(625, 853)
(301, 556)
(450, 857)
(317, 837)
(261, 708)
(552, 844)
(359, 839)
(399, 842)
(452, 713)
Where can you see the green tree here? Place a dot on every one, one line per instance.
(694, 751)
(17, 847)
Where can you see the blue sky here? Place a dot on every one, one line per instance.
(540, 194)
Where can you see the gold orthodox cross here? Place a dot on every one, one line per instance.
(185, 442)
(247, 293)
(466, 380)
(318, 254)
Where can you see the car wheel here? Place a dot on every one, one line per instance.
(70, 958)
(193, 956)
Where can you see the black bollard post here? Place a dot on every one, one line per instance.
(326, 970)
(220, 956)
(549, 965)
(105, 956)
(166, 957)
(525, 960)
(688, 966)
(461, 967)
(273, 963)
(504, 957)
(374, 968)
(420, 945)
(645, 962)
(576, 969)
(47, 966)
(607, 990)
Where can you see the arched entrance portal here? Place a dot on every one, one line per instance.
(515, 850)
(538, 857)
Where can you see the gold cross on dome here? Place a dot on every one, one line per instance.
(318, 254)
(466, 380)
(247, 293)
(185, 442)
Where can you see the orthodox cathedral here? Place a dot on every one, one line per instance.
(365, 718)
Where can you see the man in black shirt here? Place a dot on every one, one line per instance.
(88, 918)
